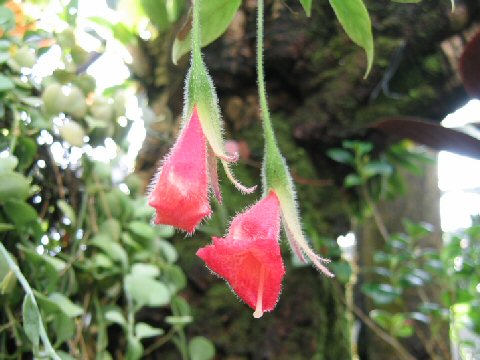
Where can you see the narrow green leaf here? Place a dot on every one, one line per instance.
(67, 211)
(66, 305)
(6, 227)
(352, 180)
(341, 156)
(31, 320)
(355, 20)
(178, 320)
(307, 6)
(143, 330)
(215, 17)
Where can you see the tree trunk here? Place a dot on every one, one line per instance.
(420, 204)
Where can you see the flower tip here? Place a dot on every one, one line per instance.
(258, 313)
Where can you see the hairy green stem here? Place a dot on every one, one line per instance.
(196, 33)
(270, 142)
(28, 290)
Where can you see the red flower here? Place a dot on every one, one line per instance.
(249, 258)
(180, 192)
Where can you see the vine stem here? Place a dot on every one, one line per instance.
(374, 327)
(376, 214)
(28, 290)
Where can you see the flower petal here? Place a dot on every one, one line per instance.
(180, 192)
(259, 221)
(249, 258)
(240, 264)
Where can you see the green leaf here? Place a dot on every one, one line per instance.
(341, 156)
(180, 306)
(112, 228)
(7, 19)
(111, 248)
(377, 168)
(354, 18)
(148, 270)
(46, 266)
(307, 6)
(179, 320)
(400, 326)
(142, 231)
(26, 151)
(215, 17)
(381, 293)
(143, 330)
(175, 278)
(342, 271)
(381, 317)
(24, 217)
(32, 101)
(200, 348)
(67, 211)
(145, 291)
(417, 230)
(31, 321)
(157, 12)
(64, 327)
(8, 164)
(13, 186)
(167, 250)
(114, 315)
(70, 309)
(134, 348)
(6, 83)
(352, 180)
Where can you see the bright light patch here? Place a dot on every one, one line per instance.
(346, 241)
(470, 113)
(456, 172)
(110, 69)
(456, 208)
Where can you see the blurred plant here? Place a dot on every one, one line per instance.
(87, 260)
(404, 266)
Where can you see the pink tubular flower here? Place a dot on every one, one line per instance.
(180, 193)
(249, 258)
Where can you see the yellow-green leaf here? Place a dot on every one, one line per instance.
(215, 17)
(354, 18)
(307, 6)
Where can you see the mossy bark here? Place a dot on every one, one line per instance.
(318, 98)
